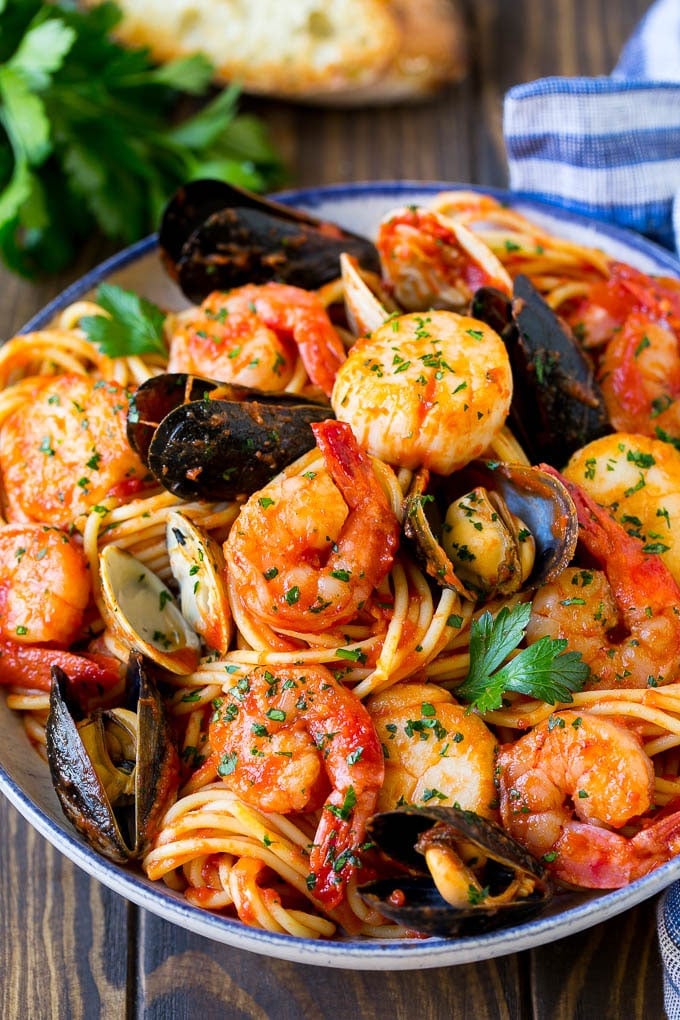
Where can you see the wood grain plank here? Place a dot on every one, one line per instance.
(610, 971)
(183, 975)
(63, 938)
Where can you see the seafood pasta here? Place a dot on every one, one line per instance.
(308, 602)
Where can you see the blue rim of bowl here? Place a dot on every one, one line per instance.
(311, 197)
(345, 953)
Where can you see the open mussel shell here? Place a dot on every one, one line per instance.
(203, 439)
(557, 406)
(116, 771)
(159, 395)
(198, 567)
(527, 504)
(141, 611)
(491, 879)
(214, 236)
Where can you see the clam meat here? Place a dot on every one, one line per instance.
(493, 528)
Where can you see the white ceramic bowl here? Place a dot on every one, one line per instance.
(24, 777)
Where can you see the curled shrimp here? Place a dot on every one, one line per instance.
(253, 334)
(625, 618)
(44, 585)
(64, 449)
(430, 261)
(640, 378)
(568, 784)
(633, 321)
(280, 738)
(306, 551)
(436, 752)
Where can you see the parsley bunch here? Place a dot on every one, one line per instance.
(86, 138)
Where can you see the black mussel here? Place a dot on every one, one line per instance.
(557, 406)
(453, 873)
(492, 528)
(207, 440)
(214, 236)
(116, 771)
(159, 395)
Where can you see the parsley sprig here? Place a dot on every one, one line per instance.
(87, 138)
(543, 670)
(133, 324)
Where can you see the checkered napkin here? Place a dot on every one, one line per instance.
(607, 147)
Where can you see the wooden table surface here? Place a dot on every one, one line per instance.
(70, 947)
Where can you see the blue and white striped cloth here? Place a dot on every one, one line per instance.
(607, 147)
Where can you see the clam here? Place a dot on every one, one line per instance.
(116, 771)
(453, 873)
(493, 528)
(197, 565)
(214, 236)
(141, 611)
(365, 311)
(207, 440)
(557, 406)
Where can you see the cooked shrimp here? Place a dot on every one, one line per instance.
(638, 480)
(636, 318)
(281, 738)
(30, 666)
(603, 311)
(435, 750)
(624, 619)
(565, 785)
(430, 261)
(44, 585)
(429, 390)
(66, 449)
(252, 336)
(306, 551)
(640, 378)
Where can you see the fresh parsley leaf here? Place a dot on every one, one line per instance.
(88, 136)
(543, 670)
(133, 325)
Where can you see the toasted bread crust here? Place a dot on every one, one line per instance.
(351, 51)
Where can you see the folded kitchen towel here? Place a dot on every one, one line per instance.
(607, 147)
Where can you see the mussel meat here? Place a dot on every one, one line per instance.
(116, 771)
(557, 406)
(214, 236)
(453, 873)
(207, 440)
(492, 528)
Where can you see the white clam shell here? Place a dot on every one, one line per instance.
(141, 610)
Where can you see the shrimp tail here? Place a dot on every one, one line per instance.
(591, 857)
(353, 474)
(630, 570)
(30, 666)
(322, 353)
(337, 843)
